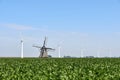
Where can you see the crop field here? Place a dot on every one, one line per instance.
(60, 69)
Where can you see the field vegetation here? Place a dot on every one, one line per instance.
(60, 69)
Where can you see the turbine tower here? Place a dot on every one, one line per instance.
(21, 48)
(21, 42)
(109, 51)
(59, 50)
(98, 53)
(81, 52)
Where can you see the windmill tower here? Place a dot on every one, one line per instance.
(43, 50)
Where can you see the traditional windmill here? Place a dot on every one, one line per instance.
(43, 50)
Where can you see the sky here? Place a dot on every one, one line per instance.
(80, 27)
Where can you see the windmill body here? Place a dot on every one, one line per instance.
(43, 50)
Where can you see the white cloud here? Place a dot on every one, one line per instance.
(117, 33)
(18, 27)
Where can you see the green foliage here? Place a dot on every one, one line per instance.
(60, 69)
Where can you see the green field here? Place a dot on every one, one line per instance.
(60, 69)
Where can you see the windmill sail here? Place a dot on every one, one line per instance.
(44, 50)
(44, 44)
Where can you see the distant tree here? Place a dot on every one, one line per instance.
(67, 56)
(89, 56)
(49, 56)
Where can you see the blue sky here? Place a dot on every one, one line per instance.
(89, 25)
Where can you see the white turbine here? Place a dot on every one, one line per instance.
(59, 49)
(21, 46)
(109, 51)
(81, 53)
(98, 53)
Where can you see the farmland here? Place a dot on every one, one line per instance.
(60, 69)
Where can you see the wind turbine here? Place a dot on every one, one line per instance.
(21, 46)
(81, 53)
(109, 51)
(98, 53)
(59, 49)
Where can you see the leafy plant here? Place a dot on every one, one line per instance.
(60, 69)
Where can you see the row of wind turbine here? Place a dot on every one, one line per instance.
(58, 49)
